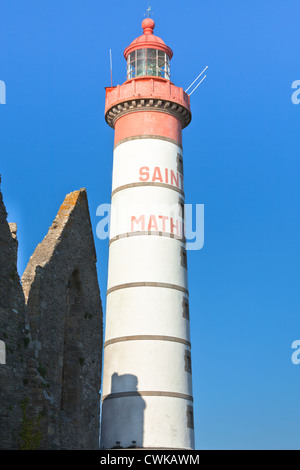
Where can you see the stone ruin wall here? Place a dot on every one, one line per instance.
(52, 329)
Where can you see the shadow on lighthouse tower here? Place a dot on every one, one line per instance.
(128, 414)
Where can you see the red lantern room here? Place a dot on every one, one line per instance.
(147, 103)
(148, 55)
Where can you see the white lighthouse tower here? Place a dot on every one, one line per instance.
(147, 385)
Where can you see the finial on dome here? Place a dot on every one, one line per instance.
(148, 25)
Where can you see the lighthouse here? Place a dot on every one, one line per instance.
(147, 397)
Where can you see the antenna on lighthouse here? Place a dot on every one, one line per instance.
(196, 80)
(197, 85)
(110, 58)
(148, 11)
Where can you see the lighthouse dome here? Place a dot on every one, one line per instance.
(148, 55)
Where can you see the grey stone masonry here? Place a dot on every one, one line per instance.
(12, 336)
(52, 335)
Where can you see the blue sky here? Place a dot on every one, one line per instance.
(241, 157)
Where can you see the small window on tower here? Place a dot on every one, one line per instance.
(183, 257)
(185, 308)
(190, 417)
(187, 361)
(181, 207)
(179, 163)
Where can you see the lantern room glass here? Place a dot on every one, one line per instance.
(148, 63)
